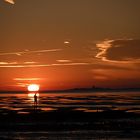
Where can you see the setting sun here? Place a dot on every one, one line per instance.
(33, 87)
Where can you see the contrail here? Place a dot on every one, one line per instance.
(10, 1)
(30, 52)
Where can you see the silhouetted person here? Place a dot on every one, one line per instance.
(35, 100)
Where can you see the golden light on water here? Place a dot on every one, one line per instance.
(33, 87)
(32, 95)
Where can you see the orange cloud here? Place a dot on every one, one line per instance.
(8, 63)
(43, 65)
(30, 62)
(10, 1)
(63, 61)
(27, 79)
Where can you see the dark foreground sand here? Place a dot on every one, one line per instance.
(69, 135)
(67, 124)
(69, 120)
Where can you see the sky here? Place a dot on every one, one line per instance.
(64, 44)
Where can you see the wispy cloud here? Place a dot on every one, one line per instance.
(10, 1)
(16, 63)
(30, 62)
(30, 52)
(43, 65)
(22, 84)
(63, 61)
(8, 63)
(103, 47)
(119, 50)
(71, 64)
(27, 79)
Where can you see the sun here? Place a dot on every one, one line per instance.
(33, 87)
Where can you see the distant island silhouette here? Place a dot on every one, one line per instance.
(91, 89)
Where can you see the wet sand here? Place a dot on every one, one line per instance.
(65, 119)
(70, 125)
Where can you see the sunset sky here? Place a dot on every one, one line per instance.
(62, 44)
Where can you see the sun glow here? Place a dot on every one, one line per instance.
(33, 87)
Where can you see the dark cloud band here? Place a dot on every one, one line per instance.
(122, 50)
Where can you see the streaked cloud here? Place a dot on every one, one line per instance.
(120, 50)
(8, 63)
(10, 1)
(70, 64)
(27, 79)
(16, 63)
(30, 52)
(63, 61)
(43, 65)
(22, 84)
(3, 63)
(30, 62)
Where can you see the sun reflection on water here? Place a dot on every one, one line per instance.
(31, 96)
